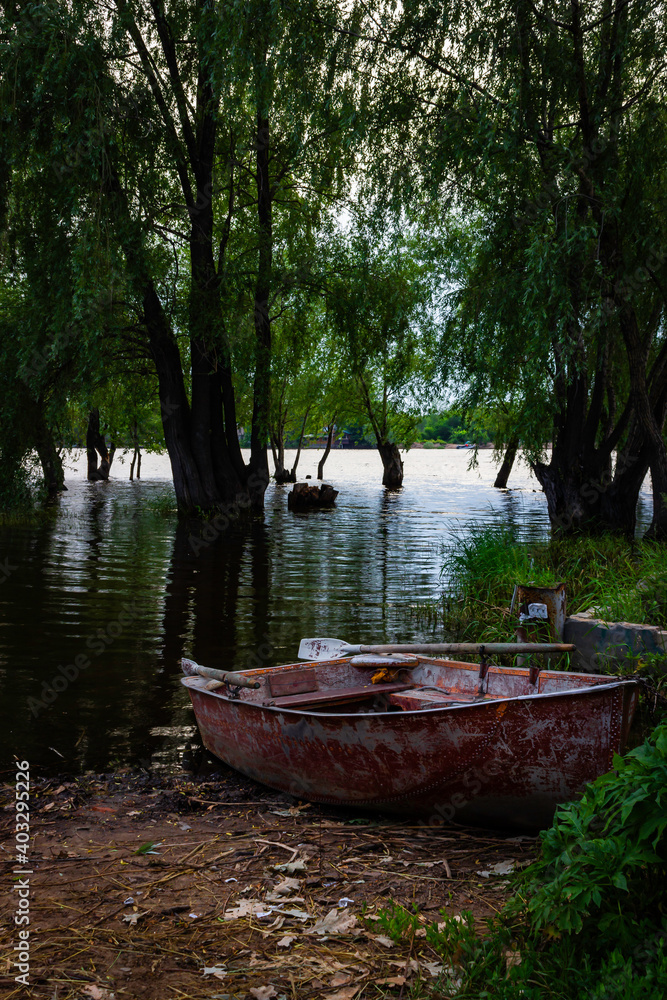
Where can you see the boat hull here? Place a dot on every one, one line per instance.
(504, 763)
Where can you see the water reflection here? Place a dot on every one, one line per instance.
(354, 572)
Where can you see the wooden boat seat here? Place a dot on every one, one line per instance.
(420, 698)
(336, 696)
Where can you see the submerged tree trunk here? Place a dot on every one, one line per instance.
(650, 409)
(209, 474)
(507, 464)
(298, 449)
(391, 464)
(280, 473)
(96, 444)
(320, 465)
(48, 454)
(261, 389)
(136, 460)
(38, 435)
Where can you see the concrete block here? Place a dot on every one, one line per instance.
(603, 643)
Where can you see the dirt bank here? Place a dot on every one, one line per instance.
(174, 886)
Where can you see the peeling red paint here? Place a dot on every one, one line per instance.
(507, 759)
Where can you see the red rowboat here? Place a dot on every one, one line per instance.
(436, 738)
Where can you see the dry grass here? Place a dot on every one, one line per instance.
(88, 941)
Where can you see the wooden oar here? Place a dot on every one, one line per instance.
(334, 649)
(224, 676)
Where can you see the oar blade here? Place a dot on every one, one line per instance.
(323, 649)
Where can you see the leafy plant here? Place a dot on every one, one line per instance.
(604, 860)
(588, 920)
(396, 922)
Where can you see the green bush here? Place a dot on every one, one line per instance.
(588, 920)
(603, 869)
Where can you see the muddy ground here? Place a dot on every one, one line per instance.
(214, 887)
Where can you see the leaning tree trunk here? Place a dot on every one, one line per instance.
(136, 455)
(650, 418)
(49, 457)
(391, 464)
(506, 467)
(658, 528)
(320, 465)
(96, 444)
(208, 471)
(280, 473)
(298, 450)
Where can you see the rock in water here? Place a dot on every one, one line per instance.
(303, 496)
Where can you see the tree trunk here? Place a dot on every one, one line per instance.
(392, 465)
(135, 441)
(277, 438)
(95, 444)
(49, 457)
(506, 467)
(52, 467)
(261, 389)
(298, 450)
(320, 466)
(280, 473)
(650, 418)
(201, 437)
(658, 530)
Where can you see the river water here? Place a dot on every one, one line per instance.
(99, 602)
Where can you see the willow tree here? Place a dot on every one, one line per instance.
(380, 297)
(203, 137)
(545, 127)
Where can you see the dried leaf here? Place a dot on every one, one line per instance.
(502, 868)
(246, 908)
(263, 992)
(132, 918)
(97, 992)
(391, 981)
(219, 971)
(347, 993)
(335, 922)
(287, 886)
(340, 979)
(286, 941)
(385, 941)
(298, 865)
(434, 968)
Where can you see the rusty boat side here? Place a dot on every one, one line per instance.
(504, 758)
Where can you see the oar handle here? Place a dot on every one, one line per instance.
(225, 676)
(481, 648)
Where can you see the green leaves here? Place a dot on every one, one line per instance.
(604, 861)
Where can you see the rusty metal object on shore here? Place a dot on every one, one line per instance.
(444, 740)
(542, 612)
